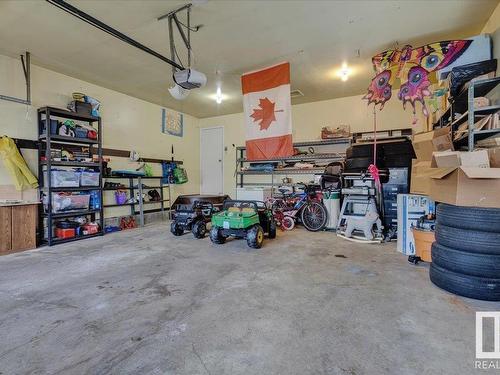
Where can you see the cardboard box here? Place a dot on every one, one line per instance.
(481, 101)
(494, 156)
(466, 186)
(426, 143)
(420, 177)
(463, 129)
(448, 159)
(411, 207)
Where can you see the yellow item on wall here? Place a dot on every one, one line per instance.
(16, 165)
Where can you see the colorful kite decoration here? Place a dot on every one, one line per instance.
(412, 67)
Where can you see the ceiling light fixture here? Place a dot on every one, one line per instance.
(218, 95)
(344, 72)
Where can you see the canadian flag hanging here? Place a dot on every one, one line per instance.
(267, 106)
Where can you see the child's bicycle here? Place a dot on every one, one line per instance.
(306, 206)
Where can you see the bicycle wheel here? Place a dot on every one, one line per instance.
(313, 216)
(287, 223)
(278, 205)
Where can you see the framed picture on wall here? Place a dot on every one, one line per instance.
(172, 122)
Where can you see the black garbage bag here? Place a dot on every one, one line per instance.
(460, 75)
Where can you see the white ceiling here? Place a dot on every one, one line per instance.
(237, 36)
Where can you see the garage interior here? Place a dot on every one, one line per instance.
(279, 187)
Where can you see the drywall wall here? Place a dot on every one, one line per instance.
(128, 123)
(492, 27)
(493, 22)
(309, 118)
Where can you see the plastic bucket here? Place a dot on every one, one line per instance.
(423, 243)
(332, 204)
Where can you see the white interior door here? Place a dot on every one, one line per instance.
(212, 160)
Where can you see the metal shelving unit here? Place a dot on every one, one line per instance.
(46, 141)
(138, 208)
(477, 89)
(464, 103)
(241, 160)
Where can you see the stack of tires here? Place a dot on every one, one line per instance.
(466, 254)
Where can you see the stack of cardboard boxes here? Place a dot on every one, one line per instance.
(455, 177)
(440, 174)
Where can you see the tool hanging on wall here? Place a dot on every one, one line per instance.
(26, 63)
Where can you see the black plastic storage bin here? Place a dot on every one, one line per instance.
(54, 127)
(81, 108)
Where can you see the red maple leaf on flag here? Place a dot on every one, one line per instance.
(265, 114)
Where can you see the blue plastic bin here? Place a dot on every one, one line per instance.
(54, 125)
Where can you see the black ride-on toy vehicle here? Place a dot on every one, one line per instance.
(193, 213)
(243, 219)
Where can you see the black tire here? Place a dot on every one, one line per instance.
(313, 216)
(464, 285)
(473, 218)
(216, 235)
(468, 240)
(255, 237)
(272, 229)
(361, 163)
(288, 223)
(480, 265)
(199, 229)
(176, 229)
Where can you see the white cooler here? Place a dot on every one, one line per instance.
(254, 193)
(411, 207)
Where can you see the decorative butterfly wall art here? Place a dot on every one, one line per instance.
(412, 66)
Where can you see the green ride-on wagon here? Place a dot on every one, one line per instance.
(243, 219)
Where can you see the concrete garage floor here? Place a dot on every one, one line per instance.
(145, 302)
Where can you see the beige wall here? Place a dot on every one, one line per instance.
(128, 123)
(493, 22)
(492, 27)
(308, 119)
